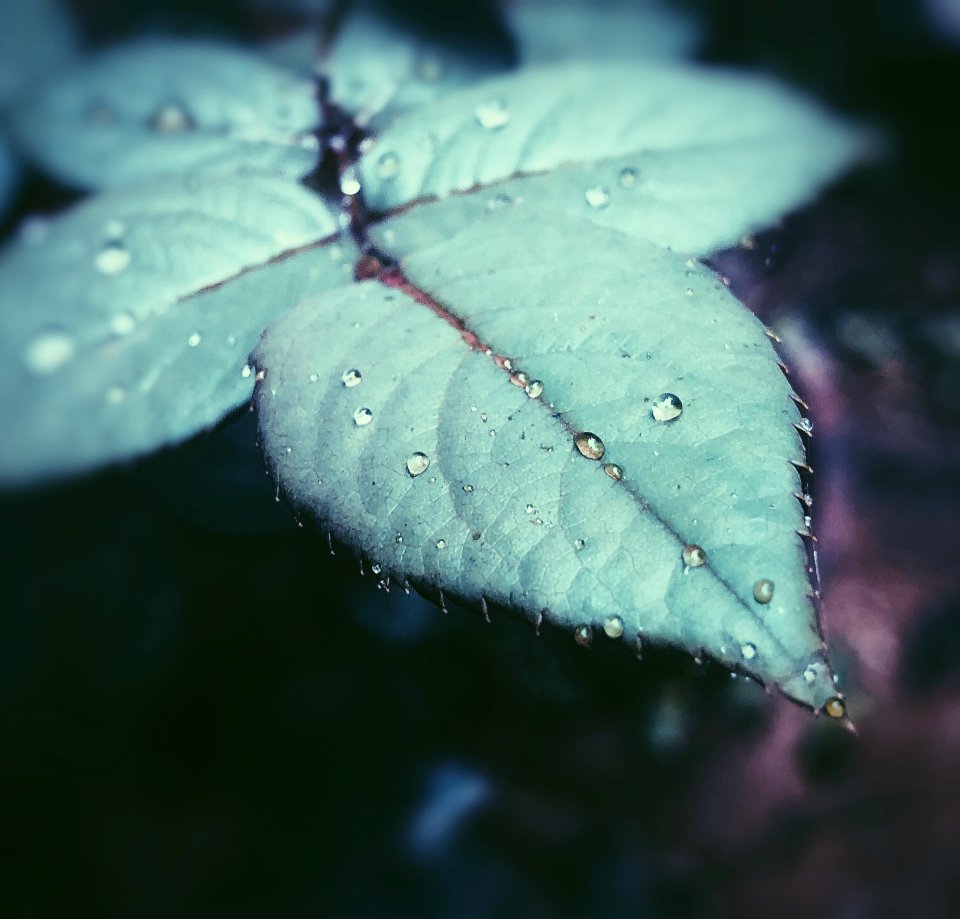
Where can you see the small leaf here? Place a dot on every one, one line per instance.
(378, 69)
(162, 108)
(685, 157)
(620, 462)
(551, 31)
(125, 324)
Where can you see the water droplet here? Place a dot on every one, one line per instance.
(589, 445)
(666, 407)
(629, 176)
(805, 425)
(835, 708)
(112, 258)
(123, 324)
(349, 182)
(748, 650)
(529, 508)
(507, 364)
(492, 114)
(468, 488)
(362, 416)
(441, 544)
(613, 626)
(688, 291)
(194, 340)
(583, 636)
(247, 370)
(417, 463)
(693, 556)
(492, 432)
(519, 378)
(483, 416)
(763, 590)
(614, 471)
(351, 378)
(578, 544)
(49, 351)
(399, 539)
(171, 118)
(314, 378)
(534, 388)
(376, 568)
(598, 196)
(388, 166)
(810, 674)
(115, 395)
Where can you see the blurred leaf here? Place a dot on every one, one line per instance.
(36, 39)
(551, 31)
(683, 156)
(382, 416)
(160, 108)
(125, 324)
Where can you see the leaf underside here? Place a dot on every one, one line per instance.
(508, 512)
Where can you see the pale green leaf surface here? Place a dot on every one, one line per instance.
(508, 510)
(160, 108)
(115, 336)
(550, 31)
(686, 157)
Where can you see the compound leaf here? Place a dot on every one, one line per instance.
(125, 324)
(162, 108)
(384, 416)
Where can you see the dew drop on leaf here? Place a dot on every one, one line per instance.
(247, 370)
(835, 707)
(194, 340)
(441, 544)
(534, 388)
(468, 488)
(613, 626)
(123, 324)
(763, 590)
(666, 407)
(351, 378)
(614, 471)
(388, 165)
(417, 463)
(748, 650)
(810, 674)
(314, 378)
(693, 556)
(529, 508)
(598, 196)
(171, 119)
(578, 544)
(492, 114)
(362, 416)
(583, 635)
(112, 258)
(589, 445)
(49, 351)
(629, 176)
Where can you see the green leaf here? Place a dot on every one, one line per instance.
(383, 416)
(125, 324)
(36, 39)
(163, 108)
(683, 156)
(550, 31)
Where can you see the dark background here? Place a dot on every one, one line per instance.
(203, 713)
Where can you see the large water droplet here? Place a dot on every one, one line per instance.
(349, 181)
(578, 544)
(589, 445)
(351, 378)
(194, 339)
(614, 471)
(629, 176)
(362, 416)
(388, 165)
(468, 488)
(763, 590)
(534, 388)
(52, 349)
(417, 463)
(666, 407)
(441, 544)
(613, 626)
(492, 114)
(749, 650)
(598, 196)
(171, 118)
(693, 556)
(112, 258)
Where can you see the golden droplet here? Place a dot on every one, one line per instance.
(583, 636)
(693, 556)
(835, 708)
(763, 590)
(589, 445)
